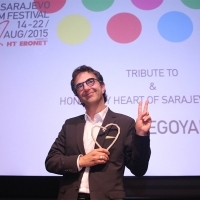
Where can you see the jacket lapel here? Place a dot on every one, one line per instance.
(79, 133)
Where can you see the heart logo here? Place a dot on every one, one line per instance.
(3, 26)
(104, 129)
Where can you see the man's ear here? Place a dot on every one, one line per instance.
(103, 88)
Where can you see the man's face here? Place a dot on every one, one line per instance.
(89, 95)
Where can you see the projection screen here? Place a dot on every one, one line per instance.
(144, 50)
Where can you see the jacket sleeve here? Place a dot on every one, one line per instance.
(138, 152)
(57, 161)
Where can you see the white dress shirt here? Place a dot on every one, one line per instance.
(89, 143)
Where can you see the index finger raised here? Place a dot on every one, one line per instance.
(140, 108)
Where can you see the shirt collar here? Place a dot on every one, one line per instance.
(99, 117)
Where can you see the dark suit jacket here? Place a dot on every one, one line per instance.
(105, 181)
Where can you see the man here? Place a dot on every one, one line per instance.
(89, 169)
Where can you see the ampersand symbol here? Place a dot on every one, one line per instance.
(152, 87)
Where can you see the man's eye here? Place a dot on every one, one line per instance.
(90, 81)
(79, 86)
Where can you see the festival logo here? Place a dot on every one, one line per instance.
(27, 23)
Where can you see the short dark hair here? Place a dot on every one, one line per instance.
(84, 68)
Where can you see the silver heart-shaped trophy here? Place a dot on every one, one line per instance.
(104, 129)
